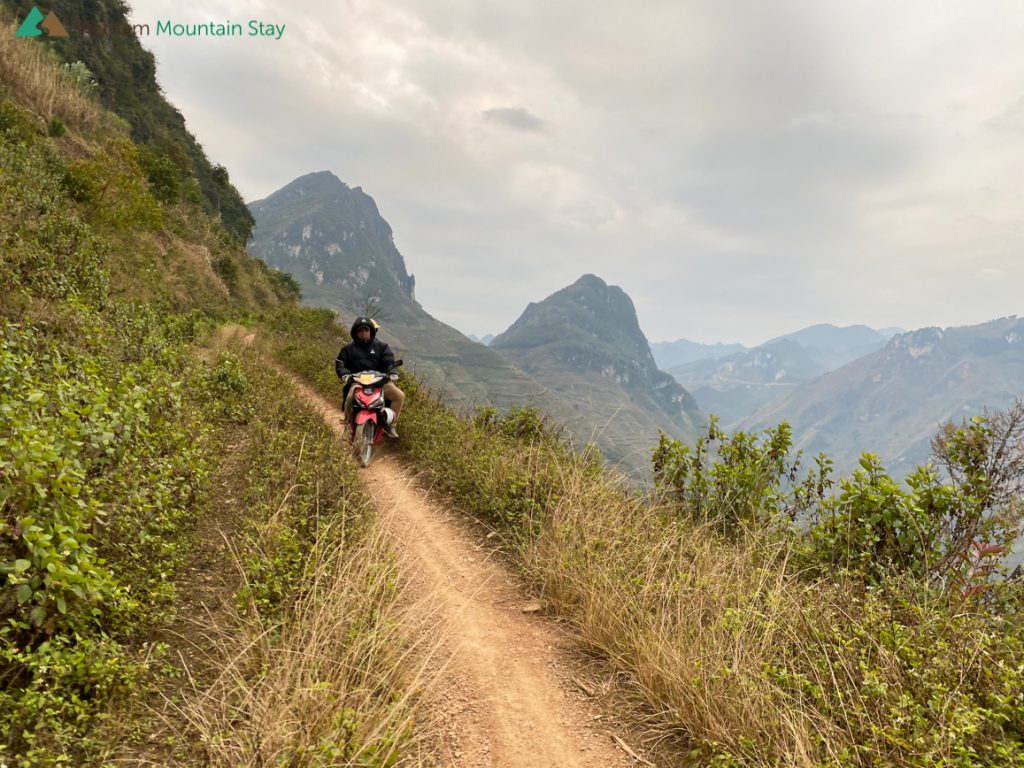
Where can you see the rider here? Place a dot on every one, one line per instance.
(367, 353)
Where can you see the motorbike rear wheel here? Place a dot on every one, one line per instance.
(364, 443)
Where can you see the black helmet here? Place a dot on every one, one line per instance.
(364, 322)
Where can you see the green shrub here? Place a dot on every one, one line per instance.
(99, 463)
(286, 283)
(115, 190)
(49, 248)
(739, 480)
(227, 387)
(951, 533)
(875, 527)
(163, 175)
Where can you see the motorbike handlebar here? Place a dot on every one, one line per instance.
(393, 376)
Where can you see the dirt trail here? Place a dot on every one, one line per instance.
(508, 697)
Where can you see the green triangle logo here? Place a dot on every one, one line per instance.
(30, 26)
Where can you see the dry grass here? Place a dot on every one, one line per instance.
(334, 684)
(738, 654)
(35, 80)
(692, 620)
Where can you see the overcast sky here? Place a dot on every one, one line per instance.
(741, 169)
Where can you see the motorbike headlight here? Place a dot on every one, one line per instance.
(367, 390)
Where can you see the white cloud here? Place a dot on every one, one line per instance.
(740, 169)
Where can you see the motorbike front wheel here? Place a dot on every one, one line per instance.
(364, 443)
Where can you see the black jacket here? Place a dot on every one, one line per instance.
(372, 355)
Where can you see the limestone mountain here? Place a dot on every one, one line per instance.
(890, 402)
(333, 241)
(585, 343)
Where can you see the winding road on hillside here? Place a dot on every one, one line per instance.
(508, 696)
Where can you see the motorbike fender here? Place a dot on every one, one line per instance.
(364, 416)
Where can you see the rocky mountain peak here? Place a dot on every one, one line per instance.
(591, 328)
(915, 344)
(332, 239)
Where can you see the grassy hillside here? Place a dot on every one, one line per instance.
(874, 637)
(151, 477)
(122, 75)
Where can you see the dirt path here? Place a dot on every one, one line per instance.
(508, 697)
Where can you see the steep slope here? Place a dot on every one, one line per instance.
(123, 75)
(585, 342)
(333, 241)
(890, 402)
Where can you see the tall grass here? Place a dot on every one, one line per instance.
(332, 685)
(34, 79)
(758, 664)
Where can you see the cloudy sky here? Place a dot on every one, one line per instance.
(741, 169)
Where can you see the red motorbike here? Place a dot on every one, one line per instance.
(370, 413)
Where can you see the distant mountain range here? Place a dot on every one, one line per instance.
(670, 353)
(486, 340)
(735, 386)
(590, 370)
(831, 346)
(892, 401)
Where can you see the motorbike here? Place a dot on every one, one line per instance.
(370, 413)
